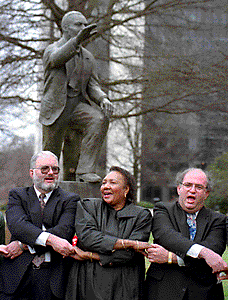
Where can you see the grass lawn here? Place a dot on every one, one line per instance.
(225, 282)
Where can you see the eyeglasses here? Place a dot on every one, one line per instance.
(46, 169)
(198, 187)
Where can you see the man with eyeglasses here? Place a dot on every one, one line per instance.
(189, 240)
(41, 222)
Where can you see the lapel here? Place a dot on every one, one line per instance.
(86, 66)
(50, 208)
(128, 213)
(181, 220)
(201, 224)
(70, 66)
(34, 207)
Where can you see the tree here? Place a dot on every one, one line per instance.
(140, 81)
(218, 198)
(25, 32)
(14, 166)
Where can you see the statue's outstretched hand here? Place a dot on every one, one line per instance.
(85, 34)
(107, 107)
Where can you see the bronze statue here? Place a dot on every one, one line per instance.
(74, 110)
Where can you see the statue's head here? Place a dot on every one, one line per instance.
(72, 23)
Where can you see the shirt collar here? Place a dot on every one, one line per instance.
(196, 213)
(47, 194)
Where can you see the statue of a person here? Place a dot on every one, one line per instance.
(74, 110)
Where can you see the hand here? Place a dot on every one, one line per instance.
(213, 260)
(80, 254)
(157, 254)
(141, 247)
(60, 245)
(107, 107)
(222, 275)
(3, 250)
(85, 34)
(13, 250)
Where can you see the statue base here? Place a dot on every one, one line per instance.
(83, 189)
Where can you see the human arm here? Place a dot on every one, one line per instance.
(57, 54)
(84, 255)
(167, 232)
(158, 254)
(85, 34)
(63, 215)
(18, 217)
(111, 249)
(213, 260)
(14, 249)
(107, 107)
(3, 250)
(172, 235)
(59, 236)
(60, 245)
(21, 219)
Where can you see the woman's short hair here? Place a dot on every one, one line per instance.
(130, 182)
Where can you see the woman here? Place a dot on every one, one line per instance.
(114, 233)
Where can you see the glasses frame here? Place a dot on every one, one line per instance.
(189, 185)
(48, 169)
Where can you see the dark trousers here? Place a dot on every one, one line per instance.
(34, 286)
(80, 132)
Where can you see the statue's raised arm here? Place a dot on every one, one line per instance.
(74, 110)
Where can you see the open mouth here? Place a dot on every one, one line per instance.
(191, 199)
(107, 193)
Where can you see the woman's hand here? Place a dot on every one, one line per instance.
(141, 247)
(80, 254)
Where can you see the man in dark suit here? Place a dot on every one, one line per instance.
(189, 241)
(41, 234)
(74, 110)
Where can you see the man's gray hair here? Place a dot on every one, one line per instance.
(180, 177)
(39, 154)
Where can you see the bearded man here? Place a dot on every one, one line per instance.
(40, 219)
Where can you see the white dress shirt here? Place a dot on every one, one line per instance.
(42, 238)
(193, 251)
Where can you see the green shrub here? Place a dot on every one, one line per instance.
(146, 204)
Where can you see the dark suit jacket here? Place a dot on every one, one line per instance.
(24, 221)
(55, 79)
(170, 230)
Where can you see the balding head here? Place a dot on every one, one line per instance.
(72, 17)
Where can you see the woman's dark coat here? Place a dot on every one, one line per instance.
(119, 274)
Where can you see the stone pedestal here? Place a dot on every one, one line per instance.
(84, 190)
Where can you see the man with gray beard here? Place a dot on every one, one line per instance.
(41, 222)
